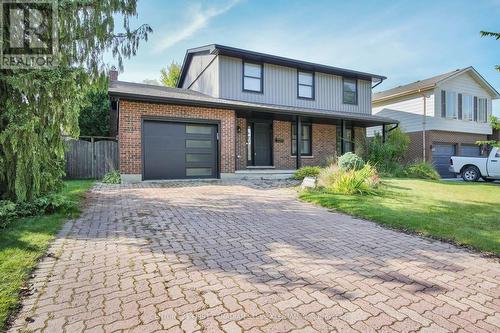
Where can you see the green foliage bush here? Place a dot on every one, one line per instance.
(112, 177)
(7, 212)
(308, 171)
(48, 204)
(423, 170)
(388, 156)
(361, 181)
(350, 161)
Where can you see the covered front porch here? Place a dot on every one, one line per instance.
(266, 143)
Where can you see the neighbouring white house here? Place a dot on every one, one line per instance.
(444, 115)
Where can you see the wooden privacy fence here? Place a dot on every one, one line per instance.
(91, 157)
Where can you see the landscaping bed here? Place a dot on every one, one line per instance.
(25, 240)
(463, 213)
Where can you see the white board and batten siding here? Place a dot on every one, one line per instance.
(409, 109)
(280, 88)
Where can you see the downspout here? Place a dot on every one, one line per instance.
(379, 82)
(424, 119)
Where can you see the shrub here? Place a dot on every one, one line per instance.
(112, 177)
(350, 161)
(388, 156)
(362, 181)
(48, 204)
(7, 212)
(308, 171)
(422, 170)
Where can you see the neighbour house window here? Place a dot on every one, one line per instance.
(451, 105)
(252, 77)
(305, 84)
(350, 91)
(482, 110)
(467, 107)
(306, 140)
(348, 140)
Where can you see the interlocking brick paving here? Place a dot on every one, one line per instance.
(243, 257)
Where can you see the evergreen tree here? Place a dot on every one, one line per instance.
(38, 107)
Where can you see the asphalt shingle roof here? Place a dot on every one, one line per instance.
(146, 92)
(420, 84)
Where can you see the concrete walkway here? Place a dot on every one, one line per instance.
(245, 257)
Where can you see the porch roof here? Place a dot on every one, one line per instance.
(160, 94)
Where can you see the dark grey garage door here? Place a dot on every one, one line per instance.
(470, 150)
(174, 150)
(441, 153)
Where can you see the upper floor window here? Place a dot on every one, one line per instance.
(451, 104)
(305, 84)
(482, 107)
(306, 141)
(252, 77)
(350, 91)
(467, 107)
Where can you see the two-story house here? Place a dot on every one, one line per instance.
(444, 115)
(237, 113)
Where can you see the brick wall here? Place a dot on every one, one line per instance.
(323, 145)
(130, 131)
(414, 152)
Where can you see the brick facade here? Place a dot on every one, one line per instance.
(415, 152)
(323, 145)
(233, 135)
(130, 131)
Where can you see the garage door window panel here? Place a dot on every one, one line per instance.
(198, 172)
(196, 158)
(199, 129)
(190, 143)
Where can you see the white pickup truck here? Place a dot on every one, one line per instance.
(473, 168)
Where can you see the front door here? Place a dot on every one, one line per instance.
(262, 143)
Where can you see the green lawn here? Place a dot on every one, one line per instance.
(464, 213)
(23, 242)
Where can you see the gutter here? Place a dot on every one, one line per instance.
(408, 92)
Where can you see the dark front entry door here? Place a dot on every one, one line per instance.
(262, 150)
(175, 150)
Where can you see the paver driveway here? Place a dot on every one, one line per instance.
(231, 257)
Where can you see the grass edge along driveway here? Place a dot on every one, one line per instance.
(466, 214)
(24, 242)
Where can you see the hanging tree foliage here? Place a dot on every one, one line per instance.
(38, 107)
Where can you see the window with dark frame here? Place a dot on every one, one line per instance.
(252, 77)
(306, 140)
(348, 140)
(350, 91)
(305, 85)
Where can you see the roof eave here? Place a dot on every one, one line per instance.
(404, 93)
(263, 57)
(374, 120)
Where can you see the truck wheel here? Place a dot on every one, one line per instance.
(471, 174)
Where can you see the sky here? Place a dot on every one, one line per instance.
(402, 40)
